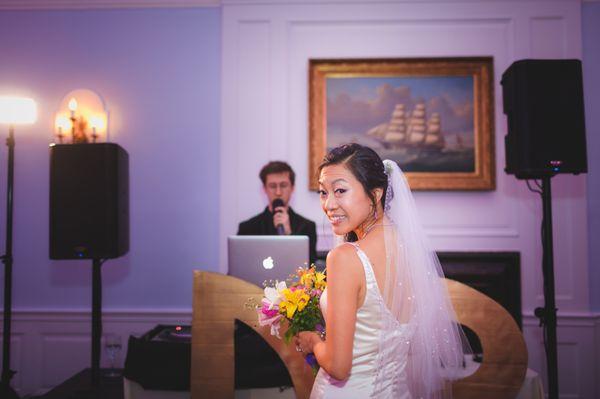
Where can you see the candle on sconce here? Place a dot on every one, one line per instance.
(62, 124)
(72, 107)
(97, 123)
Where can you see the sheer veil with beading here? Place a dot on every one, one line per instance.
(416, 295)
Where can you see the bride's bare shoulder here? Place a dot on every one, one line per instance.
(343, 257)
(342, 252)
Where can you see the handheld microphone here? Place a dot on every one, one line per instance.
(277, 202)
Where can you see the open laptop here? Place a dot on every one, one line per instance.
(259, 258)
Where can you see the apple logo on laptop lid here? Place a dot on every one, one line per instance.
(268, 263)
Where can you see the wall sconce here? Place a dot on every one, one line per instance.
(81, 118)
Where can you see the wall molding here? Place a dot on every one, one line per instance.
(566, 319)
(37, 314)
(102, 4)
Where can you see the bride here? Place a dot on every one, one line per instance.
(389, 321)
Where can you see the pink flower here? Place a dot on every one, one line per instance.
(268, 310)
(274, 322)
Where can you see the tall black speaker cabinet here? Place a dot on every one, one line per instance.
(543, 102)
(89, 201)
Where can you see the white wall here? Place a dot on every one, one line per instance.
(266, 48)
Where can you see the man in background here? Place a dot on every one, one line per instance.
(278, 218)
(257, 365)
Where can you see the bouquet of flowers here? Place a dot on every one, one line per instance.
(296, 305)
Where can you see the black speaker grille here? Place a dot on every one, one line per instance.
(89, 201)
(543, 101)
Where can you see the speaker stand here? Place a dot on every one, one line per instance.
(547, 314)
(96, 320)
(93, 388)
(5, 389)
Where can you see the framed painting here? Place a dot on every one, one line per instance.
(433, 116)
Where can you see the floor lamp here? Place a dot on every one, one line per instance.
(13, 111)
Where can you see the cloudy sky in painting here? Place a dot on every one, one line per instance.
(355, 105)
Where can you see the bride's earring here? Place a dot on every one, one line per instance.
(374, 214)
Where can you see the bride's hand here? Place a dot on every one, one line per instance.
(305, 340)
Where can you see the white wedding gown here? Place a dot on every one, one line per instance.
(379, 354)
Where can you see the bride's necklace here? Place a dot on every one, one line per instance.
(368, 229)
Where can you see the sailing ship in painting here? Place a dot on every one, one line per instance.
(410, 130)
(415, 140)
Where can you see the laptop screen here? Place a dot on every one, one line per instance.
(260, 258)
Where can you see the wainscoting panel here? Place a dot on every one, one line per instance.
(17, 355)
(577, 353)
(62, 355)
(49, 347)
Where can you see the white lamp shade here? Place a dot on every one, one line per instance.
(17, 110)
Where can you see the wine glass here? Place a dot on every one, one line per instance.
(112, 345)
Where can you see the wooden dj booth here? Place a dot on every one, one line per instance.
(219, 300)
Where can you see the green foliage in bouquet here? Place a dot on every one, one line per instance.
(307, 319)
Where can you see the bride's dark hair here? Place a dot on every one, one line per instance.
(365, 165)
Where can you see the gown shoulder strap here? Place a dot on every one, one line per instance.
(365, 261)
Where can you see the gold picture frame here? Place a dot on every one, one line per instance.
(433, 116)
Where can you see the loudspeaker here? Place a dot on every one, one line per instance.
(543, 102)
(89, 201)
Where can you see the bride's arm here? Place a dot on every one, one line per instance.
(344, 274)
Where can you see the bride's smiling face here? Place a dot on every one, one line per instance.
(343, 199)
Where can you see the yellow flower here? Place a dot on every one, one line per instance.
(294, 300)
(307, 278)
(320, 282)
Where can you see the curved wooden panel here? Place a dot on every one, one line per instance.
(502, 372)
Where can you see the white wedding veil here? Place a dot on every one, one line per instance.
(416, 295)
